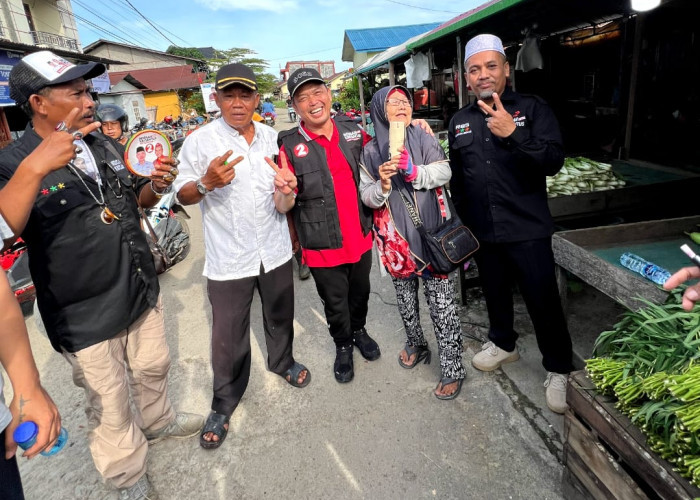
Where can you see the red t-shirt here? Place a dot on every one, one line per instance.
(355, 244)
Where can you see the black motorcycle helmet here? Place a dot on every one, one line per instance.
(337, 107)
(113, 113)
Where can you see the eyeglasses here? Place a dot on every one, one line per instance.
(316, 94)
(398, 102)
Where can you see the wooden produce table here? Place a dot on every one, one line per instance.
(606, 455)
(593, 255)
(650, 189)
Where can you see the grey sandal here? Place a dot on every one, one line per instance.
(447, 381)
(422, 353)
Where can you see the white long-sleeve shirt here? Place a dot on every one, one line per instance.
(242, 227)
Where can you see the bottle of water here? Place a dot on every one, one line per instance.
(25, 436)
(651, 271)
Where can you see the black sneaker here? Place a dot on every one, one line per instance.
(366, 344)
(343, 366)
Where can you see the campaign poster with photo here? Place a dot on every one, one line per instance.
(143, 149)
(208, 91)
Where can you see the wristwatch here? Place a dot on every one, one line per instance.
(201, 188)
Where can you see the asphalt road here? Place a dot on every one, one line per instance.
(383, 436)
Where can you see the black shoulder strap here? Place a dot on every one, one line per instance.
(110, 147)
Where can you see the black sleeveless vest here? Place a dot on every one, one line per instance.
(315, 212)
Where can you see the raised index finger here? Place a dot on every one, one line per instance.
(88, 129)
(222, 159)
(70, 118)
(497, 101)
(273, 165)
(485, 108)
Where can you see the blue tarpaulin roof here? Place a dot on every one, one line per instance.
(379, 39)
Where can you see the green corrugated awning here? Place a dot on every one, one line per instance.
(463, 20)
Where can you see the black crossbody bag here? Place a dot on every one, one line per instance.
(449, 244)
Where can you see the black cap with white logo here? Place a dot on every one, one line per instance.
(302, 76)
(44, 69)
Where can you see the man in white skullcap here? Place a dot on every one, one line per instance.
(501, 148)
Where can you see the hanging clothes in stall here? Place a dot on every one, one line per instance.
(529, 56)
(417, 70)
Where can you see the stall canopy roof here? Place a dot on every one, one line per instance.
(469, 17)
(388, 55)
(516, 15)
(377, 39)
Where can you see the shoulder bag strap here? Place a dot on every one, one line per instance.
(412, 212)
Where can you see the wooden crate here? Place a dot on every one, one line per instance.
(606, 455)
(576, 250)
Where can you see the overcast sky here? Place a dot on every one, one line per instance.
(278, 30)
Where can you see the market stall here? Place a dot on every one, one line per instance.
(608, 73)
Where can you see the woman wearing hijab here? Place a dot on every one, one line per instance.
(418, 173)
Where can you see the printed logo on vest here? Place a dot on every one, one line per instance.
(355, 135)
(519, 120)
(301, 150)
(462, 128)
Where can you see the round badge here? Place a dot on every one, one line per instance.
(143, 149)
(301, 150)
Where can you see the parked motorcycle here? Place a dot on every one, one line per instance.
(292, 114)
(15, 261)
(168, 220)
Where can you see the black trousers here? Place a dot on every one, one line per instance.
(230, 336)
(10, 482)
(344, 291)
(529, 264)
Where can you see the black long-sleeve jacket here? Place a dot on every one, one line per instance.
(498, 185)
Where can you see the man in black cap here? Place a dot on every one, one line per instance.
(96, 284)
(246, 241)
(332, 224)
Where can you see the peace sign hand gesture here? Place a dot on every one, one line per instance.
(285, 180)
(499, 122)
(285, 184)
(221, 172)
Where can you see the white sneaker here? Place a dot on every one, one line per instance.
(556, 392)
(492, 357)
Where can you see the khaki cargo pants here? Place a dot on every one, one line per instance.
(136, 359)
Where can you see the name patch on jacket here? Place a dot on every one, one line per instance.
(519, 119)
(117, 165)
(355, 135)
(462, 128)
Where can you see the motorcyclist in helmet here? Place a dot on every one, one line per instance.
(336, 109)
(115, 123)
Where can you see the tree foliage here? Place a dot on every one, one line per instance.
(350, 94)
(266, 81)
(195, 57)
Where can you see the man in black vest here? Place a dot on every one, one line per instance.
(96, 282)
(319, 182)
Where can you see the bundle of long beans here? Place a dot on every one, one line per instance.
(650, 361)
